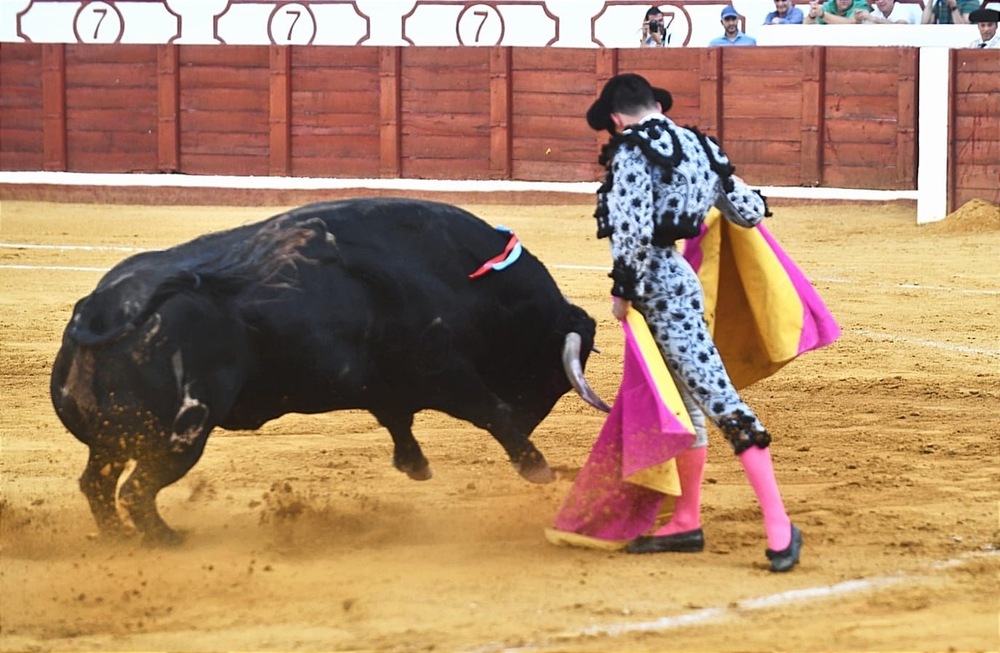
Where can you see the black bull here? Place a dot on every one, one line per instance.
(363, 304)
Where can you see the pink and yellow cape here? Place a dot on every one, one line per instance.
(762, 312)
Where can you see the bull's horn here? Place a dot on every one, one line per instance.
(574, 372)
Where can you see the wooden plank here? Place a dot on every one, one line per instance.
(22, 140)
(551, 105)
(222, 76)
(336, 146)
(123, 120)
(237, 56)
(335, 123)
(501, 95)
(541, 126)
(223, 164)
(864, 83)
(577, 82)
(20, 118)
(555, 150)
(977, 127)
(856, 59)
(786, 106)
(844, 132)
(552, 59)
(111, 161)
(556, 171)
(979, 151)
(108, 141)
(54, 106)
(981, 62)
(335, 58)
(167, 109)
(349, 80)
(119, 77)
(333, 166)
(840, 176)
(446, 124)
(228, 144)
(446, 101)
(279, 112)
(109, 98)
(980, 105)
(333, 103)
(219, 122)
(229, 100)
(860, 108)
(813, 121)
(445, 147)
(97, 56)
(873, 156)
(21, 155)
(445, 57)
(769, 173)
(414, 167)
(772, 130)
(429, 80)
(744, 152)
(390, 103)
(19, 74)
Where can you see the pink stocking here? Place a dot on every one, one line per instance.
(760, 472)
(687, 507)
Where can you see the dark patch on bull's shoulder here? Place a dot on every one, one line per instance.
(221, 270)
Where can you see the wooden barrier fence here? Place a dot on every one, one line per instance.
(788, 116)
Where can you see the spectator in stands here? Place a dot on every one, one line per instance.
(948, 12)
(732, 35)
(785, 13)
(835, 12)
(986, 19)
(888, 12)
(654, 30)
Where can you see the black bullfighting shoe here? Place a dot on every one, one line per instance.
(686, 542)
(789, 556)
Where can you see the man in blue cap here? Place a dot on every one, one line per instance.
(732, 35)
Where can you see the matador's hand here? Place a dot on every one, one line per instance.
(619, 307)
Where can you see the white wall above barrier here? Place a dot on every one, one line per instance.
(520, 23)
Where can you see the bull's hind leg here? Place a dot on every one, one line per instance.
(99, 483)
(155, 470)
(407, 456)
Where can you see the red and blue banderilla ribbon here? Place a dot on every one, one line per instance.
(510, 254)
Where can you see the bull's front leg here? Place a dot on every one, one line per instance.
(526, 458)
(407, 456)
(99, 483)
(155, 469)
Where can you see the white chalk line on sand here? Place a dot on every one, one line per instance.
(708, 615)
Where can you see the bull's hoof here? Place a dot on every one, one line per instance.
(163, 539)
(540, 474)
(422, 474)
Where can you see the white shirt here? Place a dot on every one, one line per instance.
(910, 13)
(992, 44)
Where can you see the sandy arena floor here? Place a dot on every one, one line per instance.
(303, 537)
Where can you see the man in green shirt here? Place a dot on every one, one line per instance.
(835, 12)
(948, 12)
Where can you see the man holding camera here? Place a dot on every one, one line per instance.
(654, 31)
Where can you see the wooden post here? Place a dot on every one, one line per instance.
(906, 125)
(813, 113)
(951, 190)
(710, 94)
(501, 165)
(390, 133)
(168, 143)
(605, 67)
(54, 106)
(279, 123)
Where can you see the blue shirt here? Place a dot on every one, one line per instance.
(794, 16)
(741, 39)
